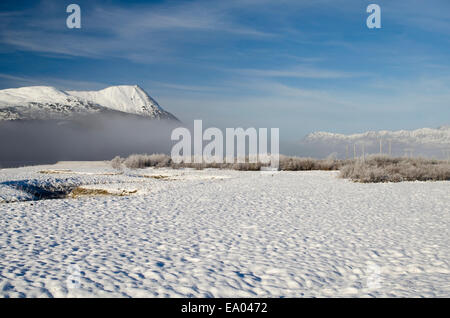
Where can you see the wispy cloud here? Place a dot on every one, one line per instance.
(134, 33)
(430, 16)
(190, 88)
(298, 72)
(60, 83)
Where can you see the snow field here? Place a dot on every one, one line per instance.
(224, 234)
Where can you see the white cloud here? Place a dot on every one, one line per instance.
(131, 33)
(298, 72)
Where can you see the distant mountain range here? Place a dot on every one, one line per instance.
(48, 107)
(45, 102)
(426, 142)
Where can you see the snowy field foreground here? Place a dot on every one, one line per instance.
(218, 233)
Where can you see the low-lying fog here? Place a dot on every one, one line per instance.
(93, 138)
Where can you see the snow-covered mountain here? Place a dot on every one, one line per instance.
(45, 102)
(428, 142)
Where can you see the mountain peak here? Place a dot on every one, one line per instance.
(125, 98)
(38, 101)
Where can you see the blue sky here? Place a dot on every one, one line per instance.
(298, 65)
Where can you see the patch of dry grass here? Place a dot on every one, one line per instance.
(158, 177)
(56, 171)
(80, 191)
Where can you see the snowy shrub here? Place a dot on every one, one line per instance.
(304, 164)
(247, 166)
(143, 161)
(116, 163)
(374, 168)
(137, 161)
(386, 169)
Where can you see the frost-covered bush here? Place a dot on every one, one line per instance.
(143, 161)
(137, 161)
(116, 163)
(374, 168)
(386, 169)
(303, 164)
(247, 166)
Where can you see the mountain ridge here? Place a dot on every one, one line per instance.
(47, 102)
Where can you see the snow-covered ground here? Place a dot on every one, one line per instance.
(219, 233)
